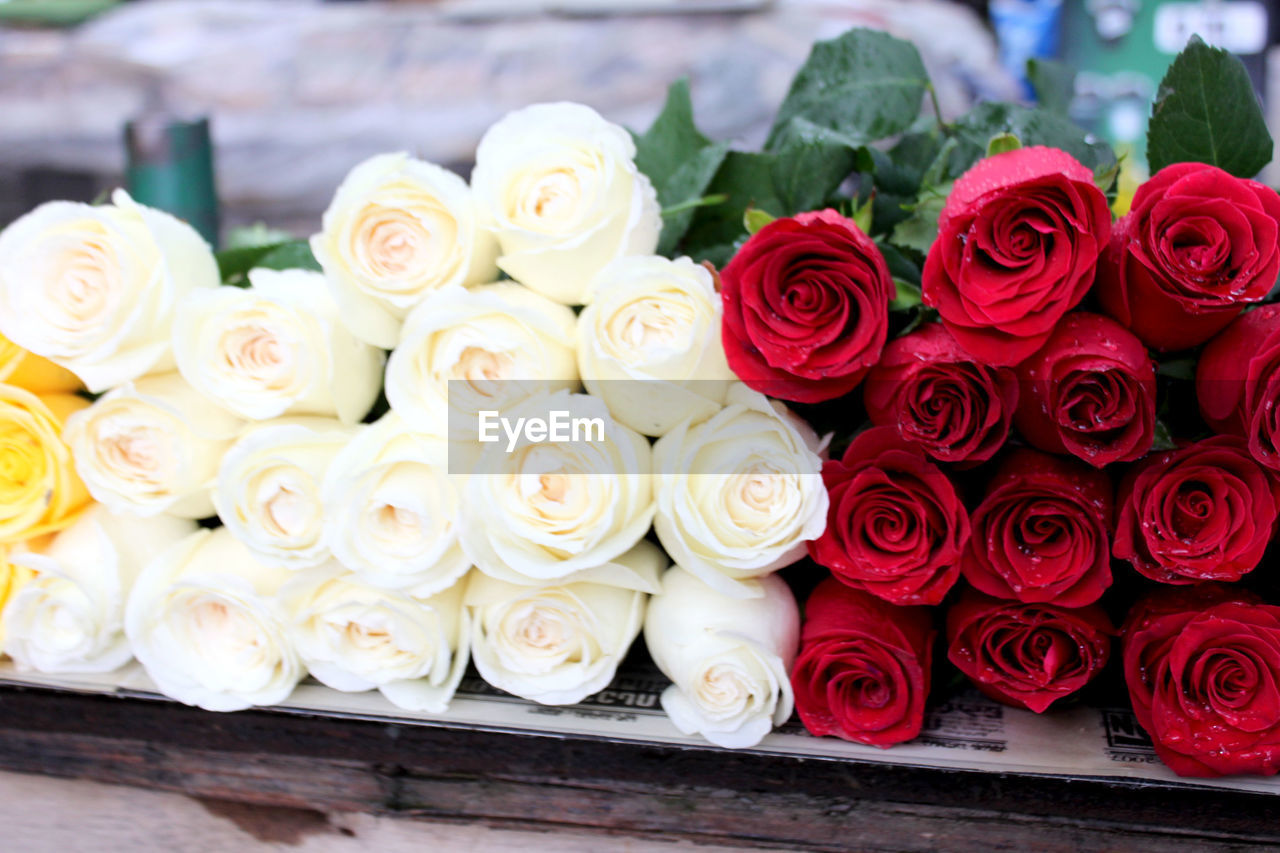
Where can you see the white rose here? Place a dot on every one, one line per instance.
(728, 657)
(393, 510)
(278, 347)
(268, 492)
(546, 510)
(487, 348)
(204, 622)
(94, 288)
(558, 644)
(397, 230)
(649, 343)
(741, 493)
(564, 197)
(355, 637)
(152, 446)
(70, 616)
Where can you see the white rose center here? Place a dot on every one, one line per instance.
(651, 325)
(724, 690)
(225, 635)
(756, 497)
(263, 355)
(136, 452)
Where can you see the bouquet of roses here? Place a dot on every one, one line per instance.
(920, 354)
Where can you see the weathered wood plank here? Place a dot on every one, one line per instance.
(693, 794)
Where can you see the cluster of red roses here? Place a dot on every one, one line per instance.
(1037, 373)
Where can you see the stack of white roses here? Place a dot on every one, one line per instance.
(360, 552)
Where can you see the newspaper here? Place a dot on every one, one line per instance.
(966, 732)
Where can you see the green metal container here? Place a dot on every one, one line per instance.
(170, 166)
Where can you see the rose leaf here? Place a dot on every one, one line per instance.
(1206, 111)
(679, 161)
(864, 83)
(1054, 84)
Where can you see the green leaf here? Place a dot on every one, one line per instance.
(862, 216)
(234, 263)
(972, 131)
(754, 219)
(1206, 111)
(920, 229)
(1104, 177)
(897, 175)
(679, 161)
(1163, 438)
(295, 254)
(908, 296)
(1054, 84)
(900, 266)
(705, 201)
(810, 162)
(1001, 143)
(865, 83)
(746, 179)
(1178, 368)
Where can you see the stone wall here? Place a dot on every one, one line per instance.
(299, 91)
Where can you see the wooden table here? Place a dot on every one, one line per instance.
(690, 793)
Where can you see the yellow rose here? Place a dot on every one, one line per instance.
(12, 579)
(30, 371)
(39, 489)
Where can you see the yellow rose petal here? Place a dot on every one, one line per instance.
(39, 489)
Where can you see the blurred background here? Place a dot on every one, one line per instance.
(295, 92)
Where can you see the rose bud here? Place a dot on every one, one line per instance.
(1202, 512)
(1027, 655)
(952, 407)
(1202, 668)
(277, 347)
(1238, 382)
(806, 303)
(740, 494)
(1017, 244)
(649, 343)
(895, 526)
(205, 621)
(69, 617)
(1042, 532)
(92, 288)
(152, 446)
(863, 669)
(355, 636)
(559, 188)
(1197, 245)
(397, 231)
(559, 642)
(727, 657)
(1089, 391)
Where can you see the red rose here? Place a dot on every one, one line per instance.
(1043, 532)
(863, 669)
(1238, 382)
(1018, 241)
(954, 408)
(806, 304)
(1089, 391)
(1197, 245)
(895, 526)
(1027, 655)
(1203, 512)
(1203, 671)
